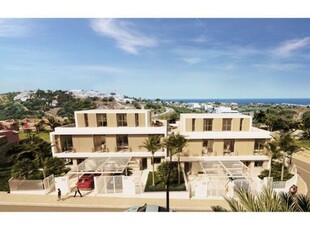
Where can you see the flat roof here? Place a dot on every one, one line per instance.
(109, 130)
(103, 165)
(213, 115)
(113, 111)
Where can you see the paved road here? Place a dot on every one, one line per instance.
(303, 170)
(26, 208)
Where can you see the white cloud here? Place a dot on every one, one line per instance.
(191, 61)
(279, 66)
(229, 67)
(97, 69)
(288, 47)
(12, 28)
(127, 39)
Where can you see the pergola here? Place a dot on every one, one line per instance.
(102, 165)
(233, 169)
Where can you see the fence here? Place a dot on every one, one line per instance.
(32, 186)
(118, 185)
(284, 186)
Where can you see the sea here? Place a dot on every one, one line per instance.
(245, 101)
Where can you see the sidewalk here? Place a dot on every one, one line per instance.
(108, 202)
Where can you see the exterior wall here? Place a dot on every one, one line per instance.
(194, 148)
(92, 120)
(111, 143)
(111, 120)
(135, 141)
(131, 120)
(246, 124)
(235, 124)
(188, 125)
(218, 147)
(217, 124)
(149, 120)
(142, 120)
(199, 125)
(82, 143)
(80, 120)
(244, 147)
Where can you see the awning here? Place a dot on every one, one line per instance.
(230, 169)
(102, 165)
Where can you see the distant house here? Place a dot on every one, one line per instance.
(10, 130)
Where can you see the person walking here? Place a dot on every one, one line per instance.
(77, 190)
(59, 194)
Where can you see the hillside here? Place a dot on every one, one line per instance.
(59, 104)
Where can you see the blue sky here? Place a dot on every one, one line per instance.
(158, 58)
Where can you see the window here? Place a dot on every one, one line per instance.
(137, 119)
(226, 124)
(67, 144)
(101, 120)
(86, 119)
(241, 123)
(258, 146)
(193, 124)
(229, 146)
(207, 146)
(246, 163)
(121, 119)
(157, 160)
(122, 142)
(258, 163)
(207, 124)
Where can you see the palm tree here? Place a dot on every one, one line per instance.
(35, 149)
(273, 152)
(152, 144)
(175, 144)
(267, 201)
(287, 147)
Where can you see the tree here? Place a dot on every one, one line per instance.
(25, 169)
(54, 165)
(152, 144)
(163, 171)
(267, 201)
(34, 149)
(174, 144)
(287, 148)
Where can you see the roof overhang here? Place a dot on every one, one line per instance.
(102, 165)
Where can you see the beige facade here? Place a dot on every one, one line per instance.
(132, 118)
(226, 130)
(217, 124)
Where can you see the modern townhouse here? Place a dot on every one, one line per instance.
(108, 133)
(224, 136)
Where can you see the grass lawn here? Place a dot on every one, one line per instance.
(160, 187)
(304, 143)
(44, 135)
(5, 174)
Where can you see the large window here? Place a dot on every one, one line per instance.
(101, 120)
(121, 119)
(122, 142)
(66, 143)
(86, 119)
(229, 146)
(207, 146)
(137, 119)
(226, 124)
(259, 146)
(241, 124)
(193, 124)
(207, 124)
